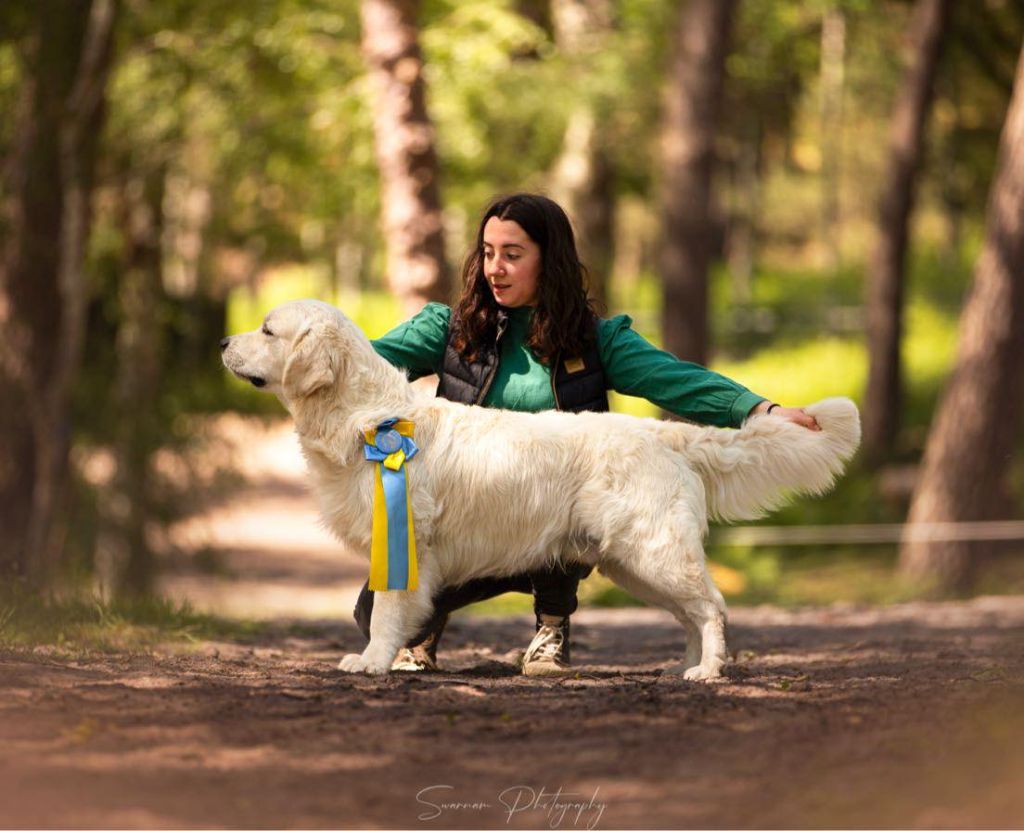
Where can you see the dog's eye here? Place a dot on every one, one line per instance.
(266, 331)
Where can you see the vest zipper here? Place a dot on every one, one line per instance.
(502, 326)
(554, 372)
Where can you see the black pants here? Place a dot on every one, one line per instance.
(553, 590)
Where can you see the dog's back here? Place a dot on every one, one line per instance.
(518, 488)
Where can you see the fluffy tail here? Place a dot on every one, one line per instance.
(755, 469)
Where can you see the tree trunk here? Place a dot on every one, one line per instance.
(42, 287)
(583, 176)
(27, 306)
(124, 560)
(741, 237)
(410, 192)
(978, 421)
(886, 278)
(687, 160)
(833, 81)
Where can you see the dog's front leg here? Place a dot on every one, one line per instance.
(397, 616)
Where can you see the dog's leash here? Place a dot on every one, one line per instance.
(393, 544)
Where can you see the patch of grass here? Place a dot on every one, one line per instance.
(511, 603)
(375, 312)
(767, 577)
(847, 578)
(84, 623)
(792, 577)
(803, 372)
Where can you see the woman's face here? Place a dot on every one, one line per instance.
(512, 263)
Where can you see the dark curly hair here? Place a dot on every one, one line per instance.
(563, 321)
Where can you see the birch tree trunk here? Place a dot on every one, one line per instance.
(687, 161)
(410, 190)
(886, 278)
(978, 421)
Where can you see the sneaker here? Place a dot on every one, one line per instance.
(421, 657)
(548, 652)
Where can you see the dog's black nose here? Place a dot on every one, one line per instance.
(224, 344)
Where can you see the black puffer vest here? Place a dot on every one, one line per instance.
(578, 383)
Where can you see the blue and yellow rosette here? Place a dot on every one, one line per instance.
(393, 545)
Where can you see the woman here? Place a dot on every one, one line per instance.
(523, 336)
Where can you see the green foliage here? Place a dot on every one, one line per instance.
(483, 70)
(257, 119)
(263, 108)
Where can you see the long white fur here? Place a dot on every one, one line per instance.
(496, 492)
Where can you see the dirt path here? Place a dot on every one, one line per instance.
(258, 551)
(909, 717)
(912, 716)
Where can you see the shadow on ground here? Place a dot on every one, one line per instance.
(909, 716)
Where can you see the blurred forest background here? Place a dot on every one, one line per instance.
(815, 198)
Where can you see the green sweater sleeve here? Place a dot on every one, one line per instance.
(633, 366)
(418, 344)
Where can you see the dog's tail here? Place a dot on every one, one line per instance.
(755, 469)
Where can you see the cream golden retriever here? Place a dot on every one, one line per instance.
(495, 492)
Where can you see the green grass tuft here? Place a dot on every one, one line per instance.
(84, 623)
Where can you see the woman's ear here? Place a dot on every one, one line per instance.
(314, 361)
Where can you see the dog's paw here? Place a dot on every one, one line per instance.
(703, 672)
(691, 660)
(357, 663)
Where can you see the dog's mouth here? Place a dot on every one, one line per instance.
(255, 380)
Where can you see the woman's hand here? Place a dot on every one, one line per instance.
(794, 414)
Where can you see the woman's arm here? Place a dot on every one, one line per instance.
(634, 366)
(418, 344)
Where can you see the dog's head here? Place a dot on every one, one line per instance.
(297, 351)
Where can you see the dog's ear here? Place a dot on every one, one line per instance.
(314, 361)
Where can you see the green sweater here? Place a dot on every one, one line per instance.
(632, 366)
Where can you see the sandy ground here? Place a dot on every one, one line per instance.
(910, 716)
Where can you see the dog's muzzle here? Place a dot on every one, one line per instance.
(255, 380)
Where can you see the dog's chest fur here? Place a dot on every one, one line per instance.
(344, 493)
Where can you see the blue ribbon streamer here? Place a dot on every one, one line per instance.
(394, 498)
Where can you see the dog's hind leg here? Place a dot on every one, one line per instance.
(397, 617)
(708, 615)
(678, 581)
(642, 590)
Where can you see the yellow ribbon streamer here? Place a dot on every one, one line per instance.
(379, 539)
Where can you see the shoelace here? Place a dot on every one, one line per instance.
(547, 644)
